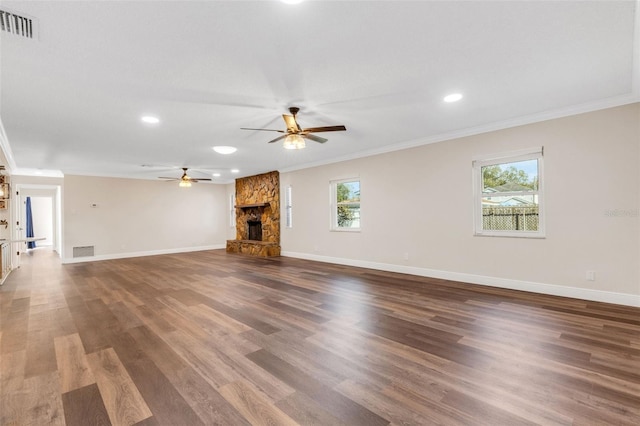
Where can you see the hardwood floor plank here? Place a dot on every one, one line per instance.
(14, 327)
(62, 322)
(127, 317)
(342, 407)
(305, 411)
(223, 322)
(11, 383)
(121, 397)
(157, 349)
(477, 409)
(42, 402)
(163, 399)
(318, 319)
(255, 409)
(84, 406)
(243, 317)
(205, 400)
(72, 363)
(41, 357)
(380, 403)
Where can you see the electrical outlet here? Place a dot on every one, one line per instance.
(591, 275)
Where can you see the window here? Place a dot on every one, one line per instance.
(508, 195)
(232, 210)
(288, 208)
(345, 205)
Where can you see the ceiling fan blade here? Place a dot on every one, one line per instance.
(315, 138)
(277, 139)
(170, 178)
(292, 124)
(325, 129)
(265, 130)
(197, 179)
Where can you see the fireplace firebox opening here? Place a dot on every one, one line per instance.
(255, 230)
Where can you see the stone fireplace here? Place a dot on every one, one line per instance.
(257, 216)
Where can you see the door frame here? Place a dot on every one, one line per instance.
(21, 192)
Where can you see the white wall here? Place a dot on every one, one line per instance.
(42, 216)
(138, 217)
(419, 201)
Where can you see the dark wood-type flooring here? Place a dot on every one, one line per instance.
(211, 338)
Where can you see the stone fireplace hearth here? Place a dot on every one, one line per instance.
(257, 216)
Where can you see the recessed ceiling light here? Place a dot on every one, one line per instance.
(149, 119)
(454, 97)
(225, 149)
(216, 175)
(235, 171)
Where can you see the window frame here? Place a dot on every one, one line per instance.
(232, 210)
(498, 159)
(334, 204)
(288, 207)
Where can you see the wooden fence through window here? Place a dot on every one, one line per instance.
(513, 218)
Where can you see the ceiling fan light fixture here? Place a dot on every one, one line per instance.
(225, 150)
(294, 142)
(184, 183)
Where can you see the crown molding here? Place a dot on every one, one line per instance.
(612, 102)
(6, 149)
(635, 72)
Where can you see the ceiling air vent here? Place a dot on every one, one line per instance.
(21, 26)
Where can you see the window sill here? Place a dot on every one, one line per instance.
(345, 229)
(511, 235)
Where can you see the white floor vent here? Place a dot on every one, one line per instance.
(84, 251)
(21, 26)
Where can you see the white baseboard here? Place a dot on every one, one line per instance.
(551, 289)
(141, 254)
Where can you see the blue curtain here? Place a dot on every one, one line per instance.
(30, 244)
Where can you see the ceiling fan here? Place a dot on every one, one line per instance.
(295, 135)
(185, 180)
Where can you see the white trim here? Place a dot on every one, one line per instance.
(506, 283)
(41, 173)
(477, 181)
(58, 213)
(6, 149)
(232, 210)
(511, 156)
(635, 69)
(333, 190)
(141, 254)
(288, 207)
(607, 103)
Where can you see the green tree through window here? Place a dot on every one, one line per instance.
(348, 204)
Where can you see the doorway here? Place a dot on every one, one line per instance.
(42, 220)
(46, 217)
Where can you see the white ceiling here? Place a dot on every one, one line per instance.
(72, 99)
